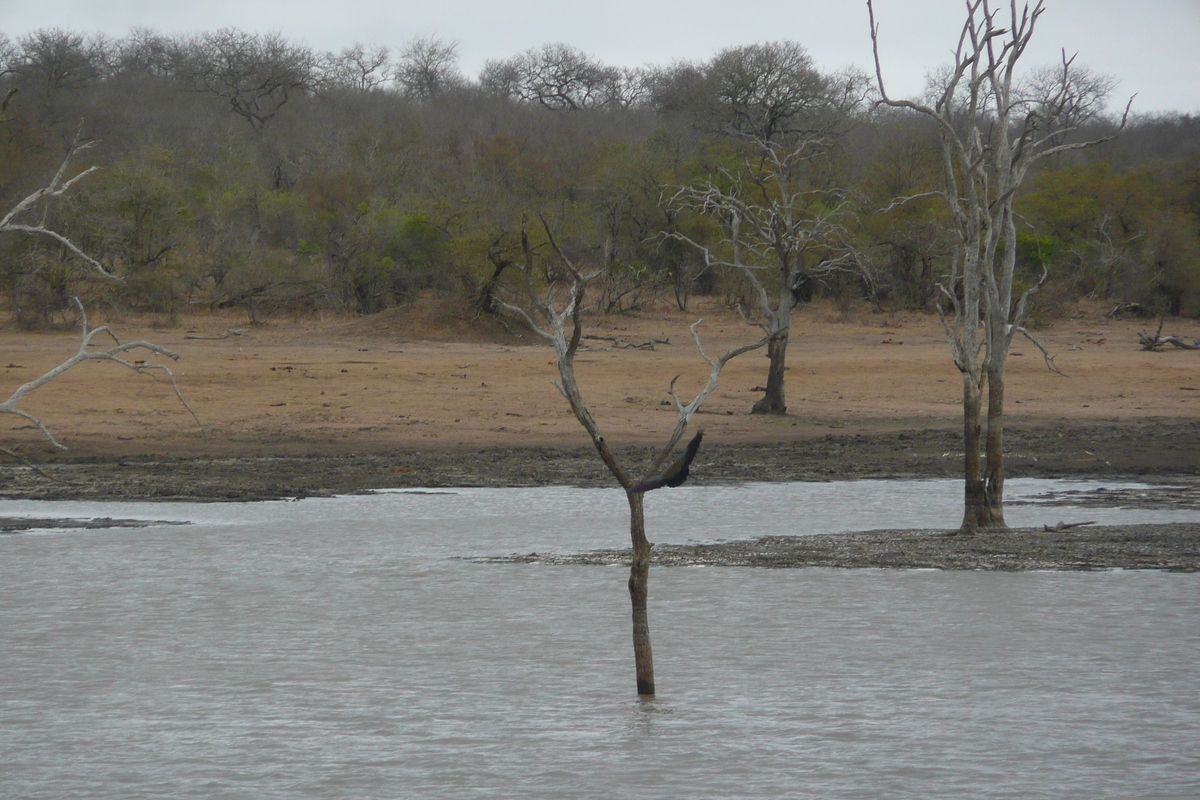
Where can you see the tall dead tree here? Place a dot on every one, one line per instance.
(993, 129)
(556, 316)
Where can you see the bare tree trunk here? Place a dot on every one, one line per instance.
(983, 464)
(994, 476)
(975, 503)
(773, 401)
(639, 591)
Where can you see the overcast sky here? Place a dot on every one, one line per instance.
(1151, 46)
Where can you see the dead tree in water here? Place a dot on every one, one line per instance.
(993, 129)
(559, 314)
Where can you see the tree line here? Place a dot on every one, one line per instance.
(245, 170)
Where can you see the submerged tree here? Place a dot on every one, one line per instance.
(558, 319)
(993, 129)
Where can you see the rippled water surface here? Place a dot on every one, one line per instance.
(336, 648)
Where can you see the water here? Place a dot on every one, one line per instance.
(335, 648)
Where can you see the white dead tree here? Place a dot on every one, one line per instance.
(558, 315)
(14, 221)
(118, 353)
(993, 129)
(778, 232)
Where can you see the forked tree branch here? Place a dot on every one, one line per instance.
(566, 345)
(57, 187)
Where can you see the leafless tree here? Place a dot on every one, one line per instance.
(778, 232)
(993, 128)
(767, 89)
(428, 68)
(557, 76)
(256, 74)
(148, 52)
(359, 67)
(118, 353)
(53, 59)
(557, 317)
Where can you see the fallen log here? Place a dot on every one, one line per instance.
(1153, 343)
(1065, 526)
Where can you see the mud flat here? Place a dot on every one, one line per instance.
(1172, 547)
(1153, 450)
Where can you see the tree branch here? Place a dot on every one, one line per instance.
(114, 354)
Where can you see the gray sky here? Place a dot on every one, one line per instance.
(1150, 46)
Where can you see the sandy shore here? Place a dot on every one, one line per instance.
(424, 379)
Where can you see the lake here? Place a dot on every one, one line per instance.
(344, 648)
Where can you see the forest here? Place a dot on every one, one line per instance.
(241, 170)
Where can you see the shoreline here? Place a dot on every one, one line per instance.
(1152, 451)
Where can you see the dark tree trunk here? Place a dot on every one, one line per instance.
(487, 295)
(639, 587)
(979, 513)
(772, 401)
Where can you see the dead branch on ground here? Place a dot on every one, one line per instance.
(1153, 343)
(1065, 526)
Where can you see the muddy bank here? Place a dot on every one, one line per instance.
(1173, 547)
(25, 524)
(1153, 450)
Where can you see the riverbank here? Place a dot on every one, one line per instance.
(1149, 450)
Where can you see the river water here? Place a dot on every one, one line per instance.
(341, 648)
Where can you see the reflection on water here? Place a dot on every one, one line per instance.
(334, 648)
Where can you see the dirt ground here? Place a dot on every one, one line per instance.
(427, 396)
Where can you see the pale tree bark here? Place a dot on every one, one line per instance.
(993, 129)
(777, 231)
(29, 215)
(119, 353)
(558, 319)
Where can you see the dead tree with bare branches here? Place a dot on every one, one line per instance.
(17, 220)
(993, 129)
(779, 233)
(556, 315)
